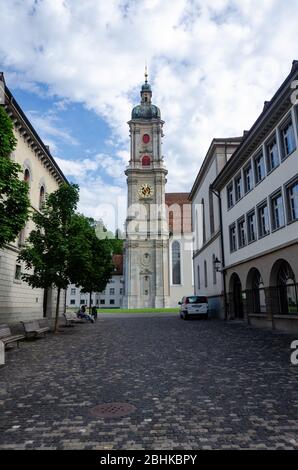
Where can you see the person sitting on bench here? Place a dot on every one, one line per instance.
(82, 314)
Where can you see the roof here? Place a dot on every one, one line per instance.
(118, 263)
(17, 112)
(272, 111)
(216, 142)
(179, 218)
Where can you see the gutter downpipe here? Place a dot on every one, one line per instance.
(217, 194)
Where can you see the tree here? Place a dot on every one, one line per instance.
(92, 269)
(14, 192)
(48, 246)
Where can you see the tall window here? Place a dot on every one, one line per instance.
(211, 211)
(277, 208)
(176, 263)
(272, 154)
(251, 227)
(241, 233)
(259, 163)
(258, 293)
(233, 242)
(248, 182)
(41, 196)
(238, 187)
(292, 197)
(263, 219)
(230, 195)
(287, 139)
(205, 274)
(27, 175)
(203, 220)
(214, 269)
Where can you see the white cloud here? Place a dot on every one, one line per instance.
(211, 65)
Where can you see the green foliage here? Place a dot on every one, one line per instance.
(14, 198)
(8, 141)
(91, 269)
(64, 249)
(48, 249)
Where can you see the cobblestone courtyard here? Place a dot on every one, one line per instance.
(195, 385)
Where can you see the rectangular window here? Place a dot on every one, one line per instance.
(272, 154)
(287, 139)
(230, 195)
(18, 272)
(72, 291)
(82, 301)
(112, 302)
(241, 233)
(121, 291)
(292, 201)
(112, 291)
(102, 301)
(259, 164)
(277, 210)
(263, 220)
(72, 301)
(238, 187)
(251, 227)
(233, 242)
(248, 181)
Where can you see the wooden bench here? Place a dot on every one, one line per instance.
(33, 328)
(71, 319)
(7, 338)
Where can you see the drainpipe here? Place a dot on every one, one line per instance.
(217, 194)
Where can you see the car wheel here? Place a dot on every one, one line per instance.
(186, 317)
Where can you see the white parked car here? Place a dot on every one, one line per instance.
(193, 305)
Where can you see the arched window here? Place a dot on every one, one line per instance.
(27, 175)
(176, 263)
(146, 160)
(41, 196)
(258, 293)
(287, 289)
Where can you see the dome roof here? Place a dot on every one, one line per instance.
(146, 87)
(145, 111)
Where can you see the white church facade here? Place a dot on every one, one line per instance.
(158, 246)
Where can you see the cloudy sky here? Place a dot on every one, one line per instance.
(76, 68)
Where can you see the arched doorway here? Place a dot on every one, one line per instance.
(255, 291)
(286, 288)
(236, 297)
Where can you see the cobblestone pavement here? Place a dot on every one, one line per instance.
(195, 385)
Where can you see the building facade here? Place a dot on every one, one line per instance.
(206, 223)
(148, 251)
(18, 301)
(258, 189)
(111, 297)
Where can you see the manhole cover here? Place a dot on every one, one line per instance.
(112, 410)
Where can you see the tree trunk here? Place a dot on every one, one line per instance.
(57, 311)
(90, 298)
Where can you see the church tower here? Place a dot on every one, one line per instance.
(147, 237)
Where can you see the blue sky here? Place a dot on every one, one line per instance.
(76, 69)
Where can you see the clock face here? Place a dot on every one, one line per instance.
(145, 191)
(146, 138)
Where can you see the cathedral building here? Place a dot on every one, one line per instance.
(158, 247)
